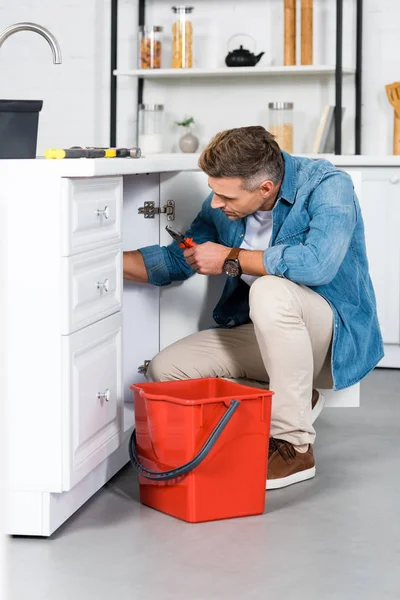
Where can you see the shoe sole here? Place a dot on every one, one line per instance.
(316, 411)
(275, 484)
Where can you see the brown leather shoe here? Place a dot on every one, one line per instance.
(287, 466)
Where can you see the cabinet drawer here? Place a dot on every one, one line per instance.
(92, 397)
(92, 287)
(91, 213)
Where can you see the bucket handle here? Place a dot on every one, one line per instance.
(184, 469)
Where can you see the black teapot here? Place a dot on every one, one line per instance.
(242, 57)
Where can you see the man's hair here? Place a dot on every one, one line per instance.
(250, 153)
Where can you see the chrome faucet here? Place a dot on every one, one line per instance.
(48, 36)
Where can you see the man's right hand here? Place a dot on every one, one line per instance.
(134, 267)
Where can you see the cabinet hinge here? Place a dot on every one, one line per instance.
(143, 368)
(149, 210)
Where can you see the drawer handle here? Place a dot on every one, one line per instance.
(103, 287)
(394, 179)
(104, 395)
(102, 212)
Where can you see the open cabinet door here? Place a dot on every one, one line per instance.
(185, 307)
(140, 300)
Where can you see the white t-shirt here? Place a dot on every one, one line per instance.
(258, 235)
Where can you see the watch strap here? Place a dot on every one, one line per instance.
(233, 254)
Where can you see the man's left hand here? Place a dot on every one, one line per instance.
(208, 258)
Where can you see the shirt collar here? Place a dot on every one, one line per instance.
(288, 186)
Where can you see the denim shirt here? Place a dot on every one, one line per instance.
(318, 241)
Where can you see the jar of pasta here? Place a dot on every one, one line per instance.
(281, 124)
(149, 51)
(182, 38)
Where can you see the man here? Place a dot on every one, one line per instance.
(298, 309)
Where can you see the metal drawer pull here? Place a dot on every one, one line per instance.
(394, 179)
(104, 395)
(102, 212)
(103, 287)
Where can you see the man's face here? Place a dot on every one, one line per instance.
(236, 202)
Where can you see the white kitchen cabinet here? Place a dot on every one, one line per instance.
(380, 205)
(72, 351)
(77, 335)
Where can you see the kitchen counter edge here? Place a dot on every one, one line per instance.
(161, 163)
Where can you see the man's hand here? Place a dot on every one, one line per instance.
(208, 258)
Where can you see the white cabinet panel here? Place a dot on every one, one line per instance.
(91, 213)
(186, 307)
(380, 204)
(140, 300)
(92, 397)
(92, 284)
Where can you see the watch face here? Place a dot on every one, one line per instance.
(232, 268)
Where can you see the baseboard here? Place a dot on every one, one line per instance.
(391, 360)
(42, 513)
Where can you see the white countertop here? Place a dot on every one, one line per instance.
(159, 163)
(96, 167)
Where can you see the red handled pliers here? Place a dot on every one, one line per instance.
(184, 242)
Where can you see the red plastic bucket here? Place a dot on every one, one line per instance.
(201, 448)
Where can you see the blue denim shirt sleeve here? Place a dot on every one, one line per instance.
(165, 264)
(333, 217)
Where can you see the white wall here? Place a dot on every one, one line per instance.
(76, 94)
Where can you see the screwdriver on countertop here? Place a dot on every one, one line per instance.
(77, 152)
(57, 153)
(184, 242)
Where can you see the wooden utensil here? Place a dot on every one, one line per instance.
(393, 94)
(306, 32)
(289, 32)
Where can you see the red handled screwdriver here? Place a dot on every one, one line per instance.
(184, 242)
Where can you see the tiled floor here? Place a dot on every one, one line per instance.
(336, 537)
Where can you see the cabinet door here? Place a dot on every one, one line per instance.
(185, 307)
(140, 300)
(92, 397)
(380, 204)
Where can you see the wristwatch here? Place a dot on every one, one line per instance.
(232, 265)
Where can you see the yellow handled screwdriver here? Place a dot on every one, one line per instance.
(57, 153)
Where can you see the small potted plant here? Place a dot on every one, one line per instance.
(188, 142)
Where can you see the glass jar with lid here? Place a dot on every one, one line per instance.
(281, 124)
(151, 128)
(182, 38)
(150, 47)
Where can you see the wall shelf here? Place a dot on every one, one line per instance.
(271, 71)
(338, 71)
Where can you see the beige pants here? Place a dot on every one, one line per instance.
(287, 344)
